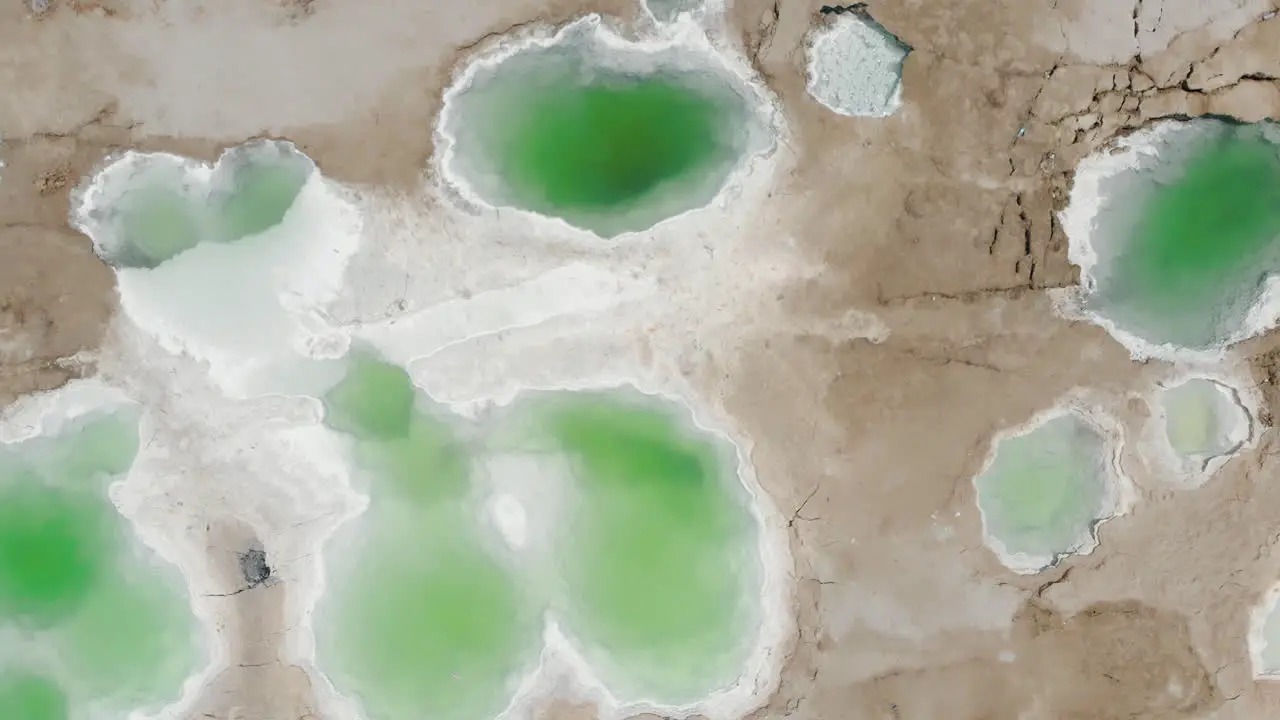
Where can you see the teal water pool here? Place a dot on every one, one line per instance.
(147, 208)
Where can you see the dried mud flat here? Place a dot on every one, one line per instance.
(939, 221)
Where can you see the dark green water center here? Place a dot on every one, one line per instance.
(649, 568)
(1204, 234)
(554, 131)
(602, 147)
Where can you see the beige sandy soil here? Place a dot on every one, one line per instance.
(939, 220)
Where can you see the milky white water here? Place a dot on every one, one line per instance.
(245, 307)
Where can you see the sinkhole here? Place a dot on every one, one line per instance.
(605, 134)
(1178, 230)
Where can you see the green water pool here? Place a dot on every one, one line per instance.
(652, 572)
(657, 556)
(96, 619)
(1045, 490)
(560, 132)
(1190, 238)
(156, 206)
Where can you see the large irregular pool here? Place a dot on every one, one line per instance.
(91, 621)
(608, 135)
(603, 518)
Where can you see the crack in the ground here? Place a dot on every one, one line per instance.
(1131, 99)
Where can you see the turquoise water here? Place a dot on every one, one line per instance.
(1045, 490)
(1185, 245)
(653, 567)
(562, 132)
(162, 208)
(76, 586)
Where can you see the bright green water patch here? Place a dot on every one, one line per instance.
(154, 207)
(1184, 247)
(75, 582)
(562, 132)
(1045, 490)
(423, 619)
(28, 696)
(658, 556)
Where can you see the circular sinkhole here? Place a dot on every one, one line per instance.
(608, 135)
(1177, 232)
(1203, 423)
(90, 621)
(1045, 489)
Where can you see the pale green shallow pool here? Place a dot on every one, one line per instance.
(658, 554)
(1046, 489)
(422, 618)
(96, 618)
(654, 572)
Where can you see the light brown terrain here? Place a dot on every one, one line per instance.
(939, 220)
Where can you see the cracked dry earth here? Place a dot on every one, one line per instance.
(938, 220)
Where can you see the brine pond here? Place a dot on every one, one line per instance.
(225, 262)
(1204, 422)
(1045, 489)
(608, 135)
(91, 621)
(605, 515)
(1178, 231)
(145, 209)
